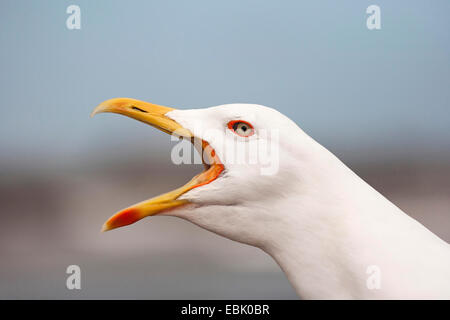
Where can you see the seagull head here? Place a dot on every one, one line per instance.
(251, 155)
(268, 184)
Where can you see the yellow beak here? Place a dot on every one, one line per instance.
(154, 115)
(146, 112)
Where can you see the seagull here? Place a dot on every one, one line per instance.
(332, 234)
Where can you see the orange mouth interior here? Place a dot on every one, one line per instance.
(213, 167)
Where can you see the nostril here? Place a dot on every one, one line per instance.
(138, 109)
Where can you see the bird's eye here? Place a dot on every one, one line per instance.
(241, 128)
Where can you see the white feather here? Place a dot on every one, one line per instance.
(322, 224)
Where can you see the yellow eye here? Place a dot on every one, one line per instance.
(241, 128)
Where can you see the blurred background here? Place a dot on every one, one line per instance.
(378, 99)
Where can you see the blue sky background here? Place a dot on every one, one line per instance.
(366, 94)
(380, 100)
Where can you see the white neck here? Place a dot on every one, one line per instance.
(327, 228)
(343, 235)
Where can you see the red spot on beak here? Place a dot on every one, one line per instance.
(122, 218)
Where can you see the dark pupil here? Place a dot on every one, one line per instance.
(240, 125)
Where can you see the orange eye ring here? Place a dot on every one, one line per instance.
(240, 127)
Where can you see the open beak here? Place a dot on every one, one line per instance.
(155, 116)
